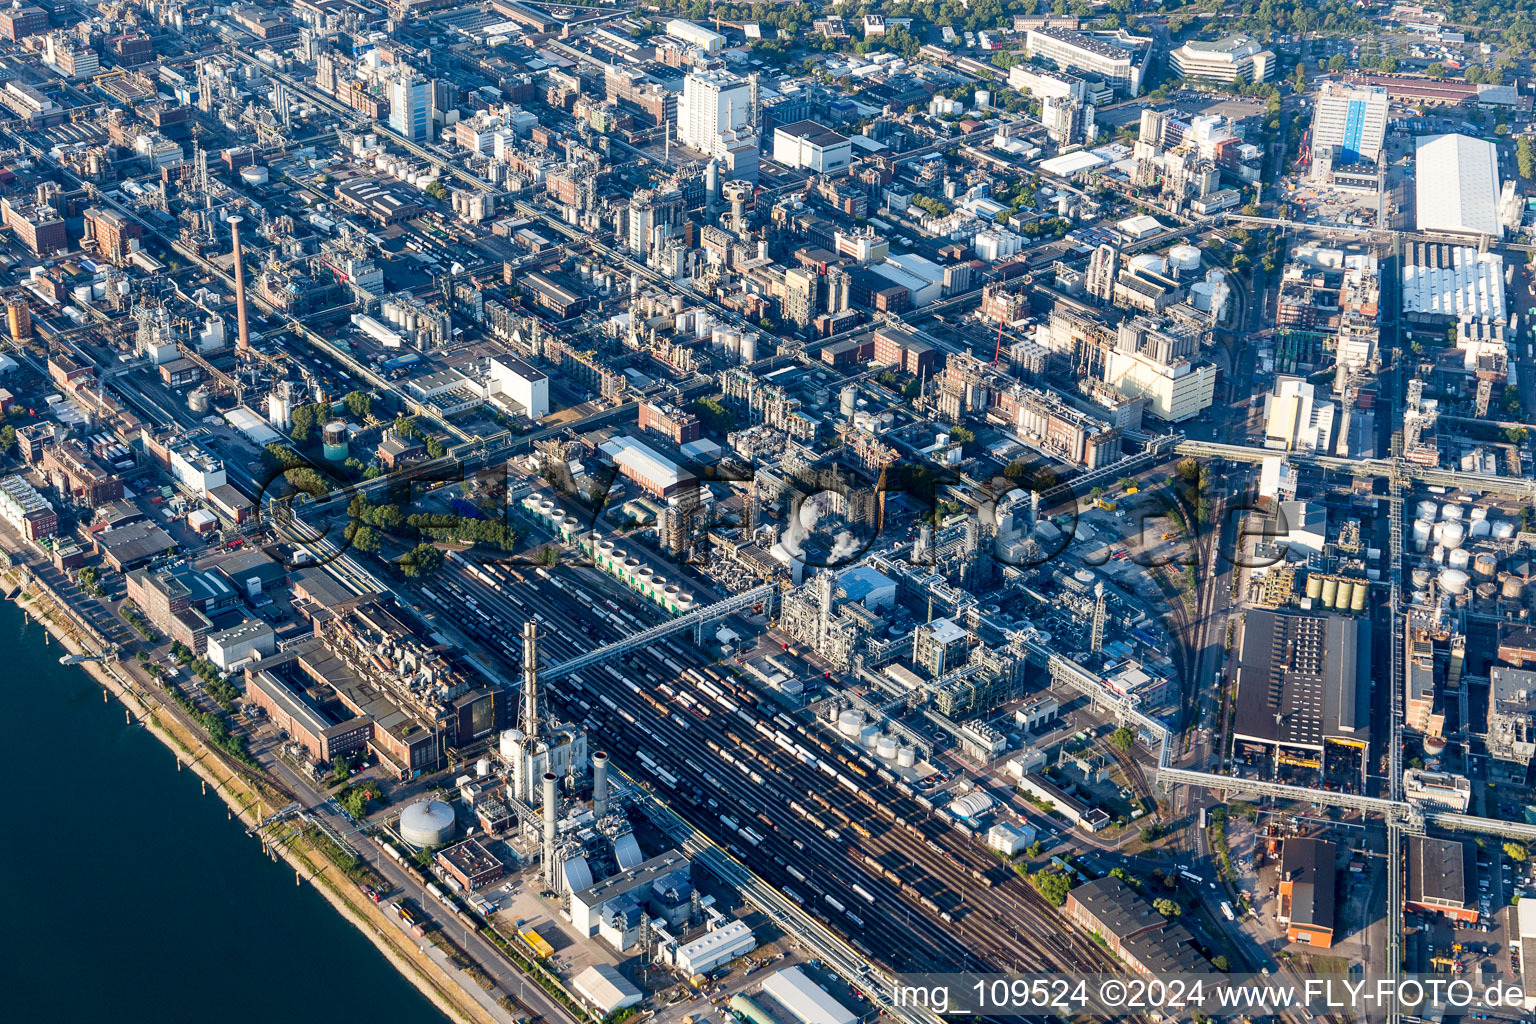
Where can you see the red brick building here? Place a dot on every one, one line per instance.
(669, 421)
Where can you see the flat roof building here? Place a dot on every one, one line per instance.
(1120, 62)
(470, 864)
(1224, 60)
(808, 146)
(1457, 185)
(1441, 877)
(1308, 878)
(1303, 684)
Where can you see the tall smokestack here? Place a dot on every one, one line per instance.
(245, 330)
(531, 680)
(600, 783)
(549, 830)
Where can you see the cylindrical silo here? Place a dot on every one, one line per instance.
(1454, 581)
(1330, 591)
(1314, 586)
(1357, 598)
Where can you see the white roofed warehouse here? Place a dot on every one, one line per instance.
(806, 1001)
(1457, 180)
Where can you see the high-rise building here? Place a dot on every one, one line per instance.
(1067, 121)
(1349, 126)
(715, 114)
(410, 105)
(799, 296)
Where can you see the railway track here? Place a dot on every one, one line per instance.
(886, 844)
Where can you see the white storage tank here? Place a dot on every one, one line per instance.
(885, 748)
(850, 722)
(1427, 510)
(254, 175)
(1452, 534)
(1503, 529)
(1451, 513)
(1458, 558)
(511, 744)
(483, 767)
(427, 823)
(870, 736)
(1454, 581)
(1422, 530)
(1184, 258)
(906, 757)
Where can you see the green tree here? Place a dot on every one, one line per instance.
(1053, 885)
(7, 439)
(1167, 907)
(1515, 852)
(359, 403)
(1516, 435)
(422, 560)
(1338, 62)
(1435, 70)
(1387, 65)
(341, 769)
(304, 421)
(437, 190)
(1122, 739)
(960, 435)
(435, 448)
(89, 579)
(1525, 158)
(1221, 963)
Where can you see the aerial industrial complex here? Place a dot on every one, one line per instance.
(707, 512)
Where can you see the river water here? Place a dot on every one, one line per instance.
(133, 898)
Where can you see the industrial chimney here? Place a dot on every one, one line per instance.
(600, 783)
(530, 722)
(245, 331)
(549, 831)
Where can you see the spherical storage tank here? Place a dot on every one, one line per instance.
(427, 823)
(1184, 258)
